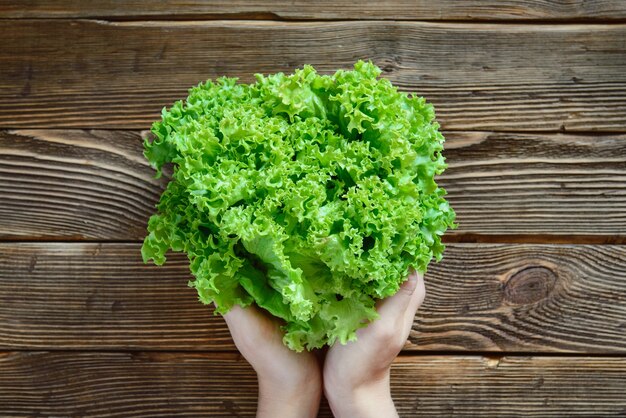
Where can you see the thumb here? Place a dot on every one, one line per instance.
(395, 306)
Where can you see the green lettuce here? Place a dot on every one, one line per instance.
(308, 195)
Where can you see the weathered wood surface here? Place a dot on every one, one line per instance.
(88, 330)
(493, 297)
(301, 9)
(507, 184)
(224, 385)
(98, 74)
(75, 185)
(96, 185)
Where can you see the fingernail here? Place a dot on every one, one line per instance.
(410, 284)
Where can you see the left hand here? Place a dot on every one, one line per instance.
(290, 383)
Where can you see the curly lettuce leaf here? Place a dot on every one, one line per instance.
(309, 195)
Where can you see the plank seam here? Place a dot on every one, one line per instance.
(555, 132)
(404, 353)
(450, 238)
(273, 17)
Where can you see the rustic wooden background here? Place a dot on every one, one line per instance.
(526, 315)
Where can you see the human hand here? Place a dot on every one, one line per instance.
(290, 383)
(356, 375)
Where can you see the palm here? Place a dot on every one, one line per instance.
(378, 343)
(289, 382)
(259, 339)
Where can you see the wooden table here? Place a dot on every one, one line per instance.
(526, 315)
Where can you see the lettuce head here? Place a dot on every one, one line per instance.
(308, 195)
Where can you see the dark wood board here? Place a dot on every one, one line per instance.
(301, 9)
(75, 185)
(96, 185)
(224, 385)
(526, 314)
(101, 74)
(481, 297)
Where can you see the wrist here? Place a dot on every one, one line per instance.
(367, 399)
(289, 399)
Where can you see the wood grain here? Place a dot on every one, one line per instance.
(300, 9)
(96, 185)
(75, 185)
(522, 298)
(99, 74)
(506, 184)
(86, 329)
(224, 385)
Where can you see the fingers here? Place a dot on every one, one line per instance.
(250, 325)
(239, 321)
(417, 298)
(237, 314)
(410, 294)
(410, 284)
(246, 323)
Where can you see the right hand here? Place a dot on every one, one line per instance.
(357, 375)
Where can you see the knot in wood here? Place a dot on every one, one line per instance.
(529, 285)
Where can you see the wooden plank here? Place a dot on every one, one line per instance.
(525, 298)
(299, 9)
(507, 184)
(98, 74)
(224, 385)
(481, 297)
(75, 185)
(96, 185)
